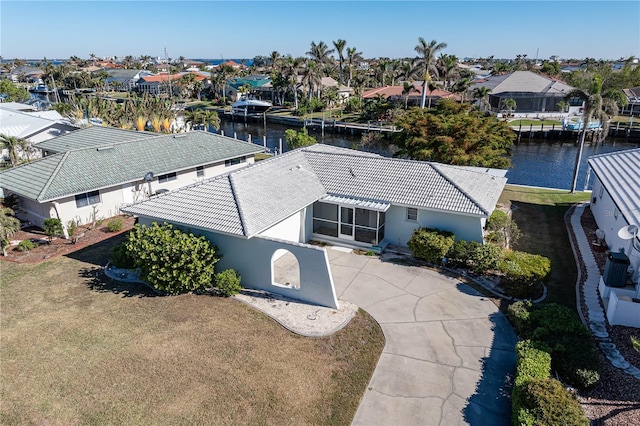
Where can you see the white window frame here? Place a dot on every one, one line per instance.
(89, 198)
(169, 177)
(200, 171)
(412, 214)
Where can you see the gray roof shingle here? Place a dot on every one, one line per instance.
(125, 160)
(269, 191)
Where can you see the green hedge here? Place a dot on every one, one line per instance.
(228, 282)
(532, 363)
(431, 245)
(485, 257)
(519, 313)
(524, 268)
(547, 402)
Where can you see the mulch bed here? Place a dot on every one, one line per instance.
(61, 246)
(616, 398)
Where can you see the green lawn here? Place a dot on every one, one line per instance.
(535, 123)
(78, 348)
(540, 215)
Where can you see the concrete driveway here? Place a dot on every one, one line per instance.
(449, 354)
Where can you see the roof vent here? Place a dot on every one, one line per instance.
(181, 135)
(104, 148)
(351, 171)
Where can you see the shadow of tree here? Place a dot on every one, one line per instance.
(97, 280)
(97, 254)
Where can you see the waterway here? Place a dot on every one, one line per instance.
(534, 163)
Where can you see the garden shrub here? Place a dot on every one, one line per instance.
(120, 257)
(26, 245)
(519, 313)
(115, 225)
(460, 253)
(525, 268)
(170, 260)
(485, 257)
(501, 227)
(431, 244)
(533, 363)
(52, 227)
(228, 282)
(550, 404)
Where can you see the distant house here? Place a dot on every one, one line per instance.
(92, 173)
(394, 93)
(258, 214)
(533, 93)
(161, 83)
(615, 204)
(26, 73)
(256, 83)
(633, 98)
(124, 80)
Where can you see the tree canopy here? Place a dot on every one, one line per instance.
(13, 92)
(454, 134)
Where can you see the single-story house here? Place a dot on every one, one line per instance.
(394, 93)
(633, 99)
(615, 204)
(89, 174)
(124, 80)
(159, 84)
(277, 206)
(533, 93)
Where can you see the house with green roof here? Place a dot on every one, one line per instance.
(92, 173)
(262, 217)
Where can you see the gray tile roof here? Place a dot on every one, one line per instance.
(523, 81)
(105, 165)
(267, 192)
(93, 136)
(619, 172)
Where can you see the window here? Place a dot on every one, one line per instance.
(87, 199)
(167, 178)
(412, 214)
(234, 161)
(200, 171)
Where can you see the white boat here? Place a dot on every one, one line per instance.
(247, 106)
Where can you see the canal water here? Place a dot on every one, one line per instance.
(535, 162)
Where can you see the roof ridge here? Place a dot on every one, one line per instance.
(238, 207)
(606, 154)
(455, 185)
(46, 186)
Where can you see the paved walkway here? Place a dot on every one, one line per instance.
(449, 352)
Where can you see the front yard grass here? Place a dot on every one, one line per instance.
(78, 348)
(539, 214)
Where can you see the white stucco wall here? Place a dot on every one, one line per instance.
(288, 230)
(251, 258)
(398, 229)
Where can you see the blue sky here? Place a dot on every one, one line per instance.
(244, 29)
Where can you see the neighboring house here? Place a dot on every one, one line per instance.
(26, 73)
(533, 93)
(277, 206)
(124, 80)
(394, 93)
(161, 83)
(633, 98)
(256, 83)
(92, 173)
(22, 121)
(615, 204)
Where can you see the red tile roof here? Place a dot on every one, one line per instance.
(166, 77)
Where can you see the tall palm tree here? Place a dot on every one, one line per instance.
(274, 59)
(320, 53)
(461, 86)
(598, 103)
(447, 66)
(339, 48)
(406, 92)
(311, 77)
(481, 93)
(291, 68)
(409, 70)
(353, 58)
(15, 146)
(381, 71)
(427, 52)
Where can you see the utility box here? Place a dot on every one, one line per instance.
(615, 270)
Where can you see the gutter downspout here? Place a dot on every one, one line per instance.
(64, 226)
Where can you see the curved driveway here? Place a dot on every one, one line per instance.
(449, 353)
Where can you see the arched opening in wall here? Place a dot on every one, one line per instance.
(285, 269)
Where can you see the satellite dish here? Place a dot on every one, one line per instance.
(148, 177)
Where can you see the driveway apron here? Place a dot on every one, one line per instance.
(449, 354)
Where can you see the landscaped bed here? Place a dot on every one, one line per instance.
(79, 348)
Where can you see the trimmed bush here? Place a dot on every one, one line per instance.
(519, 313)
(431, 244)
(228, 282)
(52, 228)
(532, 364)
(170, 260)
(525, 268)
(460, 253)
(485, 257)
(120, 257)
(549, 403)
(115, 225)
(26, 245)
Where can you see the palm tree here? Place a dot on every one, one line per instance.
(509, 105)
(481, 93)
(406, 92)
(428, 51)
(9, 225)
(311, 77)
(320, 53)
(447, 66)
(274, 57)
(339, 48)
(600, 104)
(409, 70)
(353, 58)
(15, 146)
(461, 86)
(431, 86)
(381, 71)
(291, 67)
